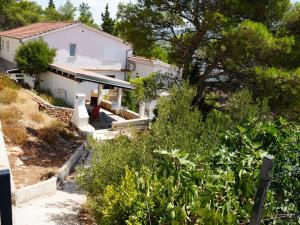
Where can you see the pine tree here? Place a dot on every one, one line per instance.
(51, 4)
(108, 23)
(67, 11)
(85, 14)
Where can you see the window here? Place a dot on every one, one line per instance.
(2, 45)
(72, 50)
(7, 46)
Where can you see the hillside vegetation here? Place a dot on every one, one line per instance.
(191, 170)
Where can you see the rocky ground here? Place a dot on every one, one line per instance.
(42, 147)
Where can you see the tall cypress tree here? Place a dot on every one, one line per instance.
(108, 23)
(51, 4)
(86, 15)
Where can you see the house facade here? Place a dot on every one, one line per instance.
(77, 45)
(142, 67)
(80, 47)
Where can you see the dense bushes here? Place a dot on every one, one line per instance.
(282, 88)
(187, 170)
(111, 159)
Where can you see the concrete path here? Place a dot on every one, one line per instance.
(105, 134)
(60, 208)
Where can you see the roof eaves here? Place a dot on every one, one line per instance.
(92, 77)
(49, 32)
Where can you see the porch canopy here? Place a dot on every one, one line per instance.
(83, 75)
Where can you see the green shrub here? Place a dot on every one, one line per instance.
(178, 125)
(130, 101)
(234, 168)
(282, 88)
(110, 159)
(166, 195)
(33, 58)
(219, 190)
(241, 106)
(212, 182)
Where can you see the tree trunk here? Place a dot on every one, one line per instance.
(37, 82)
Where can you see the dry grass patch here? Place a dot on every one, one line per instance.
(51, 131)
(8, 90)
(6, 82)
(12, 130)
(37, 117)
(8, 96)
(16, 134)
(10, 115)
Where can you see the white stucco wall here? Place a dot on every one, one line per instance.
(93, 49)
(162, 69)
(29, 80)
(65, 88)
(86, 88)
(60, 87)
(13, 45)
(142, 70)
(118, 74)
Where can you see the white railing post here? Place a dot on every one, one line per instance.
(100, 94)
(119, 98)
(142, 106)
(80, 115)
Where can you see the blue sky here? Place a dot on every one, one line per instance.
(97, 6)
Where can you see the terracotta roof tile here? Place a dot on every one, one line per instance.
(35, 29)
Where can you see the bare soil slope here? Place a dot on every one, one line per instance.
(37, 144)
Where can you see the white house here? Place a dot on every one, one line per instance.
(78, 46)
(142, 67)
(80, 50)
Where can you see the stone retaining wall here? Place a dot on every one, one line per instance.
(125, 113)
(64, 115)
(139, 124)
(61, 113)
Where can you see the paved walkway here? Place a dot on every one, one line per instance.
(60, 208)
